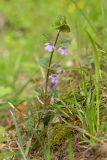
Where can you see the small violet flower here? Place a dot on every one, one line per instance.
(54, 79)
(56, 65)
(60, 72)
(49, 46)
(63, 50)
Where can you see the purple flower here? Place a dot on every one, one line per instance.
(49, 47)
(63, 50)
(54, 79)
(56, 65)
(60, 72)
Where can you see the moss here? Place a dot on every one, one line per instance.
(60, 132)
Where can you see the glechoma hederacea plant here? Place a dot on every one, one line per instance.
(61, 26)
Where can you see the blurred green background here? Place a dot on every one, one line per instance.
(25, 25)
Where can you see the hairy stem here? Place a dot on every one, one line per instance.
(49, 65)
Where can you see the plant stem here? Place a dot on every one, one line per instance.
(49, 65)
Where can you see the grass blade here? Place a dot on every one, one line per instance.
(97, 77)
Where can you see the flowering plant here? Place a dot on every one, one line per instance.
(61, 26)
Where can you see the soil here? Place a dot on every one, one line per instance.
(60, 151)
(98, 152)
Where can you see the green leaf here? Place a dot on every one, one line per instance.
(8, 154)
(2, 131)
(90, 59)
(65, 40)
(61, 20)
(18, 133)
(64, 28)
(61, 24)
(4, 90)
(43, 62)
(60, 110)
(97, 77)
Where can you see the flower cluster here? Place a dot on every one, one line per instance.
(54, 77)
(50, 47)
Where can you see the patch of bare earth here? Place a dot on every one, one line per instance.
(60, 151)
(98, 152)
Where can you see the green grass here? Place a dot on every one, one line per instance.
(80, 102)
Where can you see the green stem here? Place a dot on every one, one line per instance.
(49, 65)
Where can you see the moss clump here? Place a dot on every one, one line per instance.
(60, 132)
